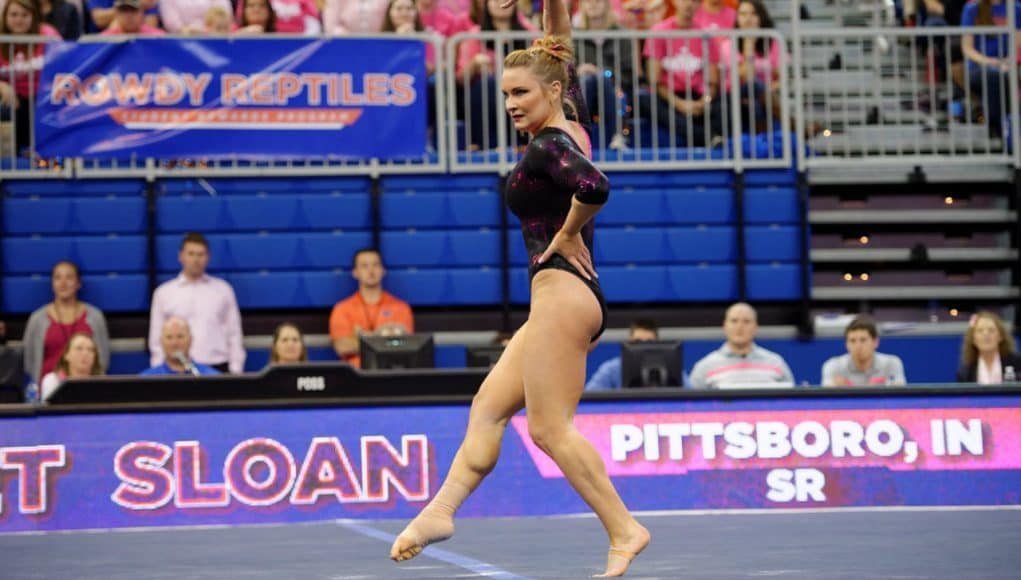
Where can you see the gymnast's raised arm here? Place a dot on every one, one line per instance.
(556, 20)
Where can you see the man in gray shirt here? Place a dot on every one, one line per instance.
(740, 363)
(862, 365)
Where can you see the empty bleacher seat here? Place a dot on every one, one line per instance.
(36, 255)
(414, 210)
(324, 289)
(189, 213)
(474, 286)
(24, 294)
(700, 206)
(261, 251)
(414, 249)
(122, 254)
(630, 246)
(261, 212)
(633, 283)
(516, 247)
(474, 247)
(774, 282)
(124, 215)
(773, 243)
(268, 289)
(37, 216)
(638, 207)
(332, 211)
(771, 205)
(418, 287)
(520, 291)
(702, 283)
(474, 209)
(440, 182)
(116, 292)
(74, 188)
(334, 249)
(701, 244)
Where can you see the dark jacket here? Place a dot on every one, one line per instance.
(970, 374)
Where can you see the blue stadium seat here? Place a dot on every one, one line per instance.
(414, 210)
(261, 212)
(36, 255)
(774, 282)
(630, 246)
(169, 245)
(276, 251)
(715, 283)
(512, 220)
(442, 182)
(702, 244)
(477, 209)
(199, 213)
(24, 294)
(330, 211)
(773, 243)
(123, 215)
(324, 289)
(474, 247)
(474, 286)
(767, 177)
(627, 179)
(414, 248)
(123, 254)
(117, 293)
(269, 289)
(633, 283)
(771, 205)
(419, 287)
(333, 250)
(245, 185)
(74, 188)
(700, 206)
(38, 216)
(518, 254)
(520, 291)
(641, 206)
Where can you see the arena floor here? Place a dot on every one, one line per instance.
(903, 543)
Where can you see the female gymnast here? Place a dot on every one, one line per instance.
(555, 191)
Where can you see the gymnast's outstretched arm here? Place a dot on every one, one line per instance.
(556, 19)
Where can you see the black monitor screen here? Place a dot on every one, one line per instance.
(412, 351)
(655, 363)
(484, 356)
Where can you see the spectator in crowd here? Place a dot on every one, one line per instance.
(740, 362)
(862, 366)
(608, 375)
(370, 310)
(80, 358)
(685, 75)
(354, 16)
(188, 16)
(642, 14)
(292, 16)
(435, 18)
(206, 303)
(758, 68)
(257, 17)
(714, 15)
(51, 327)
(22, 64)
(402, 18)
(288, 345)
(938, 14)
(989, 356)
(175, 341)
(63, 17)
(604, 65)
(476, 67)
(987, 57)
(129, 19)
(217, 21)
(104, 12)
(12, 370)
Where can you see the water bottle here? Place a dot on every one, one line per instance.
(32, 394)
(1009, 376)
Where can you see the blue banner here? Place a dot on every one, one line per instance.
(288, 465)
(248, 98)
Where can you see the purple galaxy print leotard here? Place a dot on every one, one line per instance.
(551, 173)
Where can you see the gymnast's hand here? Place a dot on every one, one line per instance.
(573, 249)
(505, 4)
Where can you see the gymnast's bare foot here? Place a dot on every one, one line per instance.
(623, 551)
(427, 528)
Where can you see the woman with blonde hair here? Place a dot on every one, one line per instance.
(79, 359)
(556, 192)
(989, 356)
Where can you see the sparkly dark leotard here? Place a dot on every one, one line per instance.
(552, 171)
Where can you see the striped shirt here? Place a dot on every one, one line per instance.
(723, 369)
(840, 371)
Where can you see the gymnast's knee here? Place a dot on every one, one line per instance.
(545, 434)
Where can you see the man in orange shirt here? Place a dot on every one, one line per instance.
(370, 310)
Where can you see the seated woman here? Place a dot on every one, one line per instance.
(79, 359)
(21, 63)
(604, 71)
(257, 17)
(758, 68)
(989, 356)
(288, 345)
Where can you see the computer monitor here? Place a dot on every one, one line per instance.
(655, 363)
(484, 356)
(411, 351)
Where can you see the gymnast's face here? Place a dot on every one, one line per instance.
(529, 104)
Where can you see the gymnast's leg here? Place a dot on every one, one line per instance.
(499, 398)
(564, 316)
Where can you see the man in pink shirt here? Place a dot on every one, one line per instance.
(129, 19)
(206, 303)
(686, 77)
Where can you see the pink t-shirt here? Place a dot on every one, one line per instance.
(468, 50)
(724, 19)
(293, 16)
(439, 21)
(681, 59)
(26, 66)
(354, 16)
(766, 67)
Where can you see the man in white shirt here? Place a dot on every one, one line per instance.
(740, 363)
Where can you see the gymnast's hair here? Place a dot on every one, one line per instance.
(548, 59)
